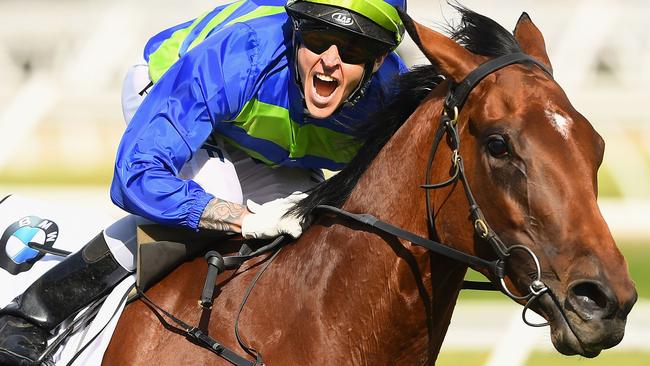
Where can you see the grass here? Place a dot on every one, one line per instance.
(638, 260)
(456, 358)
(473, 295)
(60, 173)
(607, 186)
(611, 358)
(541, 358)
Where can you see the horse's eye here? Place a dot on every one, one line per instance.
(497, 146)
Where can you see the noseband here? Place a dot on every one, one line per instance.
(454, 101)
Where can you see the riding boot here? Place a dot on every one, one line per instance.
(26, 323)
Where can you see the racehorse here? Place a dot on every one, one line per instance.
(349, 293)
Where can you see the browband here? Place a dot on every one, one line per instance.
(459, 92)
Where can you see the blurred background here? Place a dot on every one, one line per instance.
(62, 64)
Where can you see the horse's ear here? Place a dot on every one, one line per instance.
(451, 59)
(531, 41)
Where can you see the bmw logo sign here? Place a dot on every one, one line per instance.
(16, 256)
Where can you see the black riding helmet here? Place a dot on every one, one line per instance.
(376, 21)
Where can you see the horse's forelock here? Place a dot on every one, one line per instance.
(482, 35)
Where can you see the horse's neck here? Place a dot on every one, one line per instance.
(389, 188)
(420, 289)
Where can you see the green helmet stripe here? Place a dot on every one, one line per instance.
(378, 11)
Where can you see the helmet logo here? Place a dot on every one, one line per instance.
(342, 18)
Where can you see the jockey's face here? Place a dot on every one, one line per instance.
(326, 80)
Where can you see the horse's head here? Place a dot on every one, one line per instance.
(531, 160)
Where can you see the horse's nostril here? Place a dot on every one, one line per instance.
(592, 300)
(590, 295)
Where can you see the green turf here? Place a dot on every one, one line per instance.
(479, 295)
(638, 260)
(101, 174)
(607, 186)
(456, 358)
(539, 358)
(607, 358)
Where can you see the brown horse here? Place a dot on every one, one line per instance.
(347, 294)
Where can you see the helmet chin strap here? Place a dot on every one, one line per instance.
(360, 90)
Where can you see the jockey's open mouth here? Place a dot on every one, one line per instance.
(324, 85)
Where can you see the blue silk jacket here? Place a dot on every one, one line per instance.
(232, 75)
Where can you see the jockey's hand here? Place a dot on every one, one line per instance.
(268, 221)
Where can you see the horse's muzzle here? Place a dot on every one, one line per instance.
(589, 319)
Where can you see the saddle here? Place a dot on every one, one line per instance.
(161, 249)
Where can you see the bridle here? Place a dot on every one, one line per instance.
(448, 126)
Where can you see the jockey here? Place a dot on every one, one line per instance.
(238, 111)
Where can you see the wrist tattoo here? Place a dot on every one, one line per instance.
(222, 216)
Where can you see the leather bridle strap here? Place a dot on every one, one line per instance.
(459, 92)
(496, 266)
(455, 99)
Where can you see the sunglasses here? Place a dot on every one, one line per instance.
(352, 48)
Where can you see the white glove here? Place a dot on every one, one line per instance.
(268, 221)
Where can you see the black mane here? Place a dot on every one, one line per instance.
(478, 34)
(482, 35)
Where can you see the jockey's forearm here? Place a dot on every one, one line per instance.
(223, 215)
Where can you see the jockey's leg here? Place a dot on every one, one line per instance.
(92, 272)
